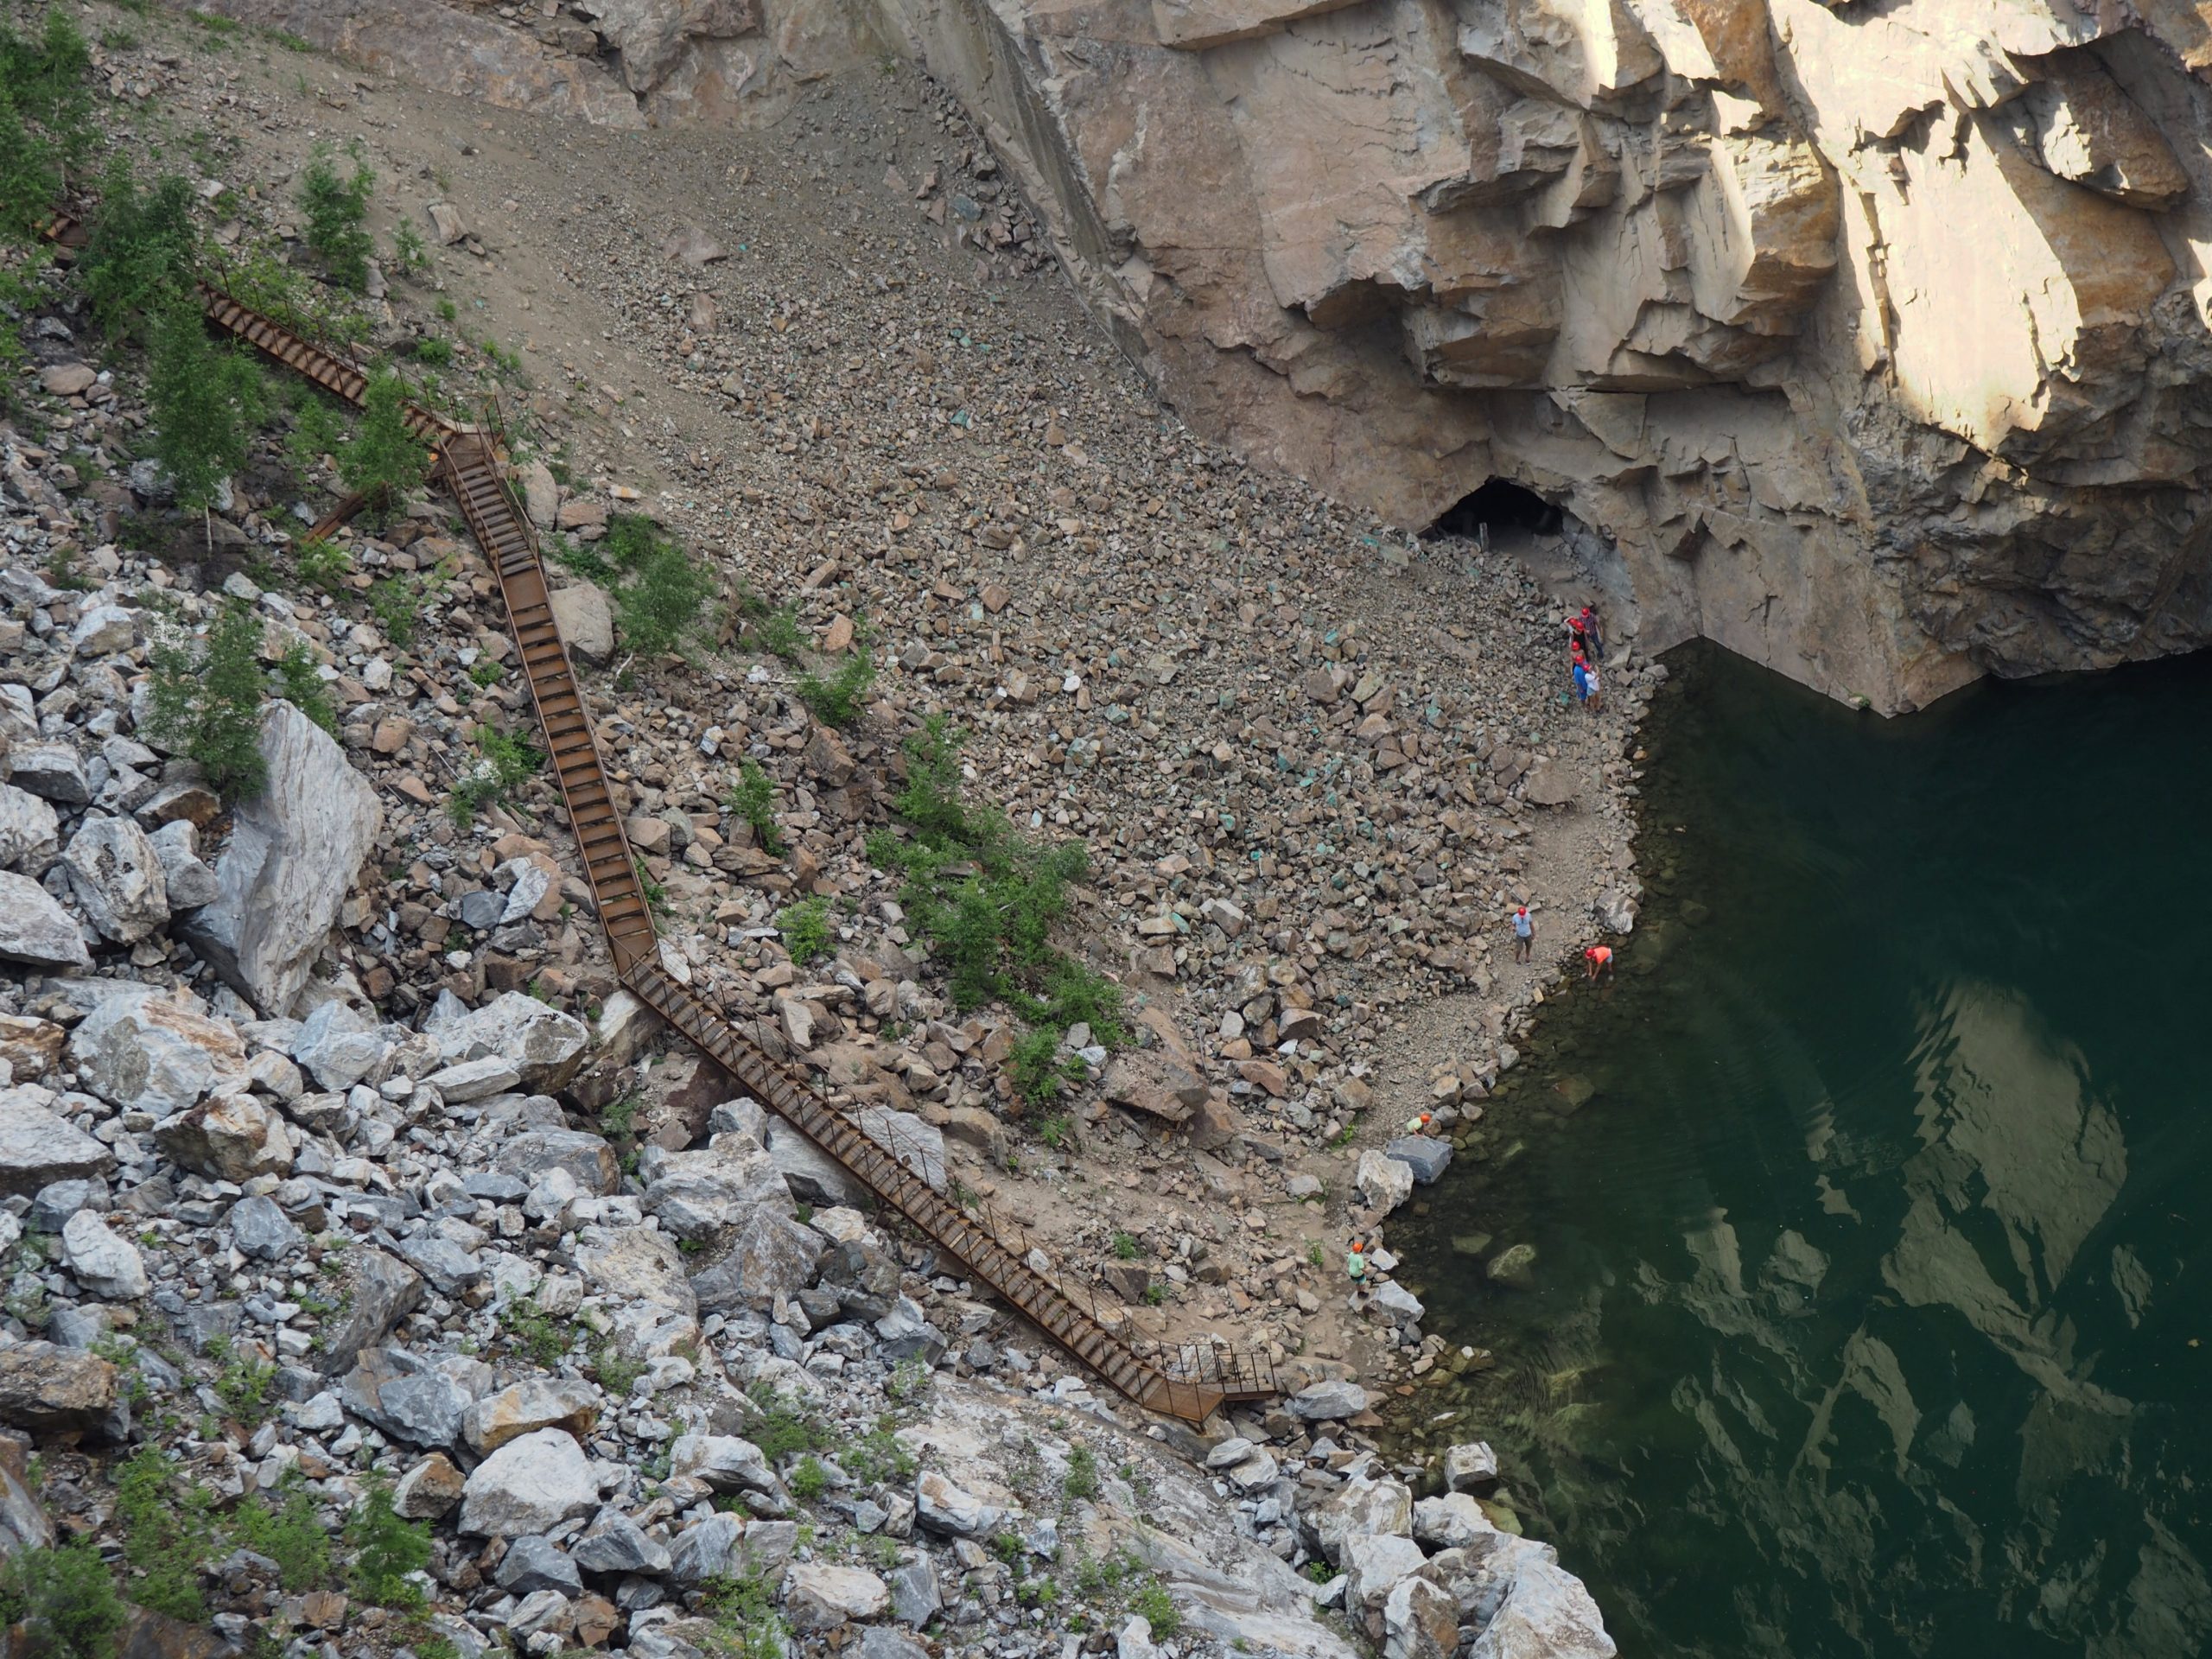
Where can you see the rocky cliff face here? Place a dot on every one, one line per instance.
(1867, 338)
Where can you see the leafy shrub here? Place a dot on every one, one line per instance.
(1036, 1066)
(665, 604)
(45, 105)
(393, 603)
(809, 1480)
(310, 309)
(289, 1535)
(301, 684)
(206, 700)
(1081, 1480)
(839, 700)
(67, 1597)
(385, 461)
(318, 429)
(167, 1535)
(436, 353)
(753, 798)
(1153, 1603)
(1125, 1247)
(242, 1384)
(142, 249)
(805, 928)
(322, 564)
(337, 210)
(208, 401)
(410, 253)
(504, 763)
(778, 633)
(387, 1547)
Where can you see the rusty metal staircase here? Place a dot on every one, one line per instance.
(1189, 1381)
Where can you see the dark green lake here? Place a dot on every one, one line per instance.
(1873, 1313)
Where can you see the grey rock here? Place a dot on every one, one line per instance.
(1451, 1521)
(233, 1137)
(616, 1543)
(917, 1145)
(1470, 1466)
(78, 1327)
(29, 832)
(293, 855)
(260, 1229)
(118, 878)
(767, 1255)
(482, 909)
(54, 770)
(706, 1550)
(728, 1463)
(907, 1334)
(190, 882)
(382, 1292)
(1514, 1266)
(587, 1158)
(701, 1196)
(531, 1565)
(430, 1489)
(1328, 1401)
(34, 928)
(586, 623)
(524, 1407)
(38, 1149)
(822, 1595)
(106, 1266)
(59, 1200)
(141, 1049)
(1424, 1155)
(1373, 1563)
(531, 1484)
(52, 1391)
(545, 1045)
(914, 1596)
(1383, 1183)
(886, 1642)
(338, 1047)
(450, 1269)
(475, 1080)
(421, 1407)
(1396, 1303)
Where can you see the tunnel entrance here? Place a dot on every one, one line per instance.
(1499, 505)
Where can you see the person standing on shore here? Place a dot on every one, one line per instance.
(1591, 643)
(1524, 934)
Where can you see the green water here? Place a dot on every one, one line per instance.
(1871, 1278)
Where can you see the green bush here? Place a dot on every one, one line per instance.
(1036, 1066)
(337, 210)
(310, 309)
(299, 682)
(322, 564)
(393, 603)
(67, 1597)
(504, 763)
(289, 1535)
(434, 352)
(1081, 1480)
(805, 928)
(664, 606)
(1153, 1603)
(318, 429)
(141, 252)
(809, 1480)
(206, 700)
(242, 1384)
(168, 1536)
(384, 461)
(207, 400)
(753, 798)
(387, 1548)
(839, 700)
(778, 633)
(45, 124)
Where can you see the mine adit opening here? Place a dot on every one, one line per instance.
(1501, 506)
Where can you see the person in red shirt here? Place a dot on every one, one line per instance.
(1596, 960)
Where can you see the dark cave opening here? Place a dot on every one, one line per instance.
(1498, 504)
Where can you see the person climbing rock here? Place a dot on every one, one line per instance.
(1356, 1263)
(1524, 934)
(1593, 643)
(1597, 960)
(1418, 1122)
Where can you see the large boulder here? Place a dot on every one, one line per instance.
(420, 1404)
(544, 1045)
(52, 1391)
(293, 855)
(1383, 1183)
(37, 1148)
(117, 877)
(586, 1158)
(380, 1291)
(34, 929)
(524, 1407)
(1373, 1564)
(1425, 1155)
(701, 1196)
(820, 1596)
(107, 1267)
(767, 1255)
(531, 1484)
(29, 832)
(153, 1050)
(587, 622)
(233, 1137)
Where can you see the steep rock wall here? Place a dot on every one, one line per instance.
(1870, 336)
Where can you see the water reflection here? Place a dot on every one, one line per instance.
(1859, 1332)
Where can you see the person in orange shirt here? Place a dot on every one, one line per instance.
(1596, 960)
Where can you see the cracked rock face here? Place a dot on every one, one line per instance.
(1865, 335)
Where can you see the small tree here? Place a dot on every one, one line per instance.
(666, 602)
(207, 700)
(383, 460)
(139, 259)
(337, 211)
(68, 1598)
(207, 402)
